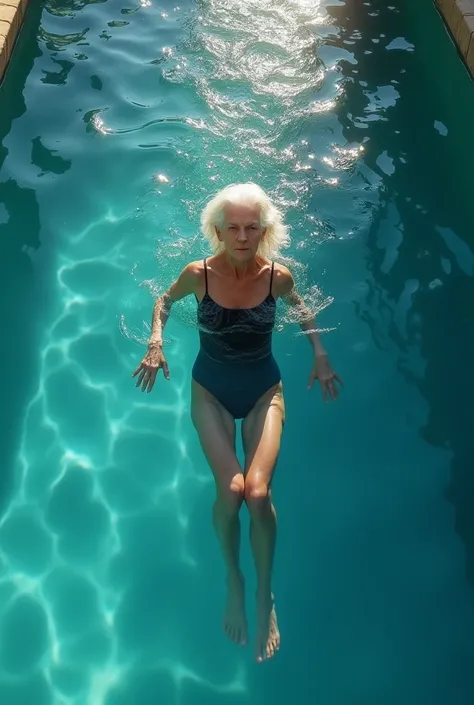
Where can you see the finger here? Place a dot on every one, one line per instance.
(329, 387)
(140, 376)
(146, 377)
(324, 390)
(338, 379)
(311, 380)
(166, 371)
(138, 369)
(151, 379)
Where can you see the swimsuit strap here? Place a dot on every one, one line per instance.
(271, 277)
(205, 271)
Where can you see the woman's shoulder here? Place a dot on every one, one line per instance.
(283, 280)
(191, 277)
(194, 269)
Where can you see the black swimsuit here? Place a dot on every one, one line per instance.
(235, 361)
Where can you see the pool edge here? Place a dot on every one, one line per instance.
(458, 16)
(12, 14)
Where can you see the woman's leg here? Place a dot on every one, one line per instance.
(261, 431)
(216, 430)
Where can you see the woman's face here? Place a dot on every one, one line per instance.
(241, 233)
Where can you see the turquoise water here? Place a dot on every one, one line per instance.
(117, 122)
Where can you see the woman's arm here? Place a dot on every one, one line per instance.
(306, 319)
(187, 283)
(285, 288)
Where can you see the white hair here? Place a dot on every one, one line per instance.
(212, 216)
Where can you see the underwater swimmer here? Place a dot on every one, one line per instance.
(235, 376)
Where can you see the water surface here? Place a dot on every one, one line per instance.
(117, 123)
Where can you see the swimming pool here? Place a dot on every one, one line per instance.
(117, 123)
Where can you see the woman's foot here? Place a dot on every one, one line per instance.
(235, 622)
(268, 635)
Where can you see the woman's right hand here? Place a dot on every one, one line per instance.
(149, 366)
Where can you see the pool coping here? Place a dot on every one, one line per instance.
(12, 13)
(459, 18)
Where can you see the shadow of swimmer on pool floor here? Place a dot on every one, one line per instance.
(235, 376)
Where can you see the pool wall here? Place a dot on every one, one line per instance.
(459, 17)
(12, 13)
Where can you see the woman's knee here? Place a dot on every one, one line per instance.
(231, 495)
(257, 496)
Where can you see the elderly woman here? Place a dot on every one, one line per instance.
(235, 376)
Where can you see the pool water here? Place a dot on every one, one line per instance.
(118, 121)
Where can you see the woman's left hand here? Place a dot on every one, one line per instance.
(328, 379)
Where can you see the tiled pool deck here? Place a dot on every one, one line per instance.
(11, 18)
(459, 16)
